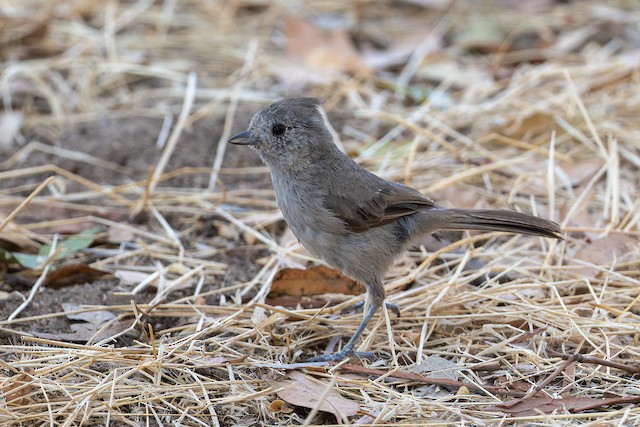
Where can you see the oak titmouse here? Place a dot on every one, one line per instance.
(354, 220)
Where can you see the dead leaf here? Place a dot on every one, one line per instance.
(280, 406)
(546, 405)
(302, 390)
(90, 326)
(72, 274)
(321, 49)
(17, 389)
(604, 251)
(316, 280)
(438, 367)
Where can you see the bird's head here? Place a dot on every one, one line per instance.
(287, 132)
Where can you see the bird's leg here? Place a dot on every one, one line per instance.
(349, 346)
(394, 308)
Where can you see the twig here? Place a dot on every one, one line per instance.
(597, 361)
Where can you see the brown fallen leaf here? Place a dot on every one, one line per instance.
(604, 251)
(313, 281)
(17, 389)
(72, 274)
(302, 390)
(321, 49)
(544, 404)
(280, 406)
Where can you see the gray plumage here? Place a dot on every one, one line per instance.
(354, 220)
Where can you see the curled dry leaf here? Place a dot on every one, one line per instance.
(280, 406)
(313, 281)
(72, 274)
(301, 390)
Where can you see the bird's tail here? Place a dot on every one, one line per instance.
(499, 220)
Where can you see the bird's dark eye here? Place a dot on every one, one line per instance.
(278, 129)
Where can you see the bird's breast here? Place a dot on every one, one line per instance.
(303, 208)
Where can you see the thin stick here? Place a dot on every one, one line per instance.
(597, 361)
(25, 202)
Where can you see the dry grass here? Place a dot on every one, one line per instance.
(551, 128)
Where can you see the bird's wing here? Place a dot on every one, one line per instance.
(361, 211)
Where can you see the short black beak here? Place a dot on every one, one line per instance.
(243, 138)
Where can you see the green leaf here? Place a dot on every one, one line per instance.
(65, 248)
(33, 262)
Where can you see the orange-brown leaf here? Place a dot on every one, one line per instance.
(313, 281)
(72, 274)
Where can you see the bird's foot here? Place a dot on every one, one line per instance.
(360, 305)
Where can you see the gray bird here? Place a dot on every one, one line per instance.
(354, 220)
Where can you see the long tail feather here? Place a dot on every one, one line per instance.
(501, 220)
